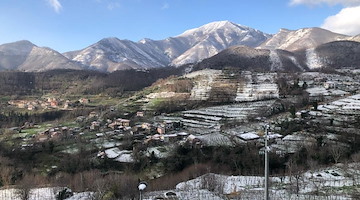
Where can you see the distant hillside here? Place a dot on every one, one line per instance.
(207, 87)
(80, 81)
(12, 55)
(246, 58)
(25, 56)
(339, 54)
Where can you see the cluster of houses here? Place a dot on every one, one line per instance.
(324, 87)
(49, 103)
(57, 133)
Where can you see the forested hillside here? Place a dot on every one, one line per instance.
(79, 81)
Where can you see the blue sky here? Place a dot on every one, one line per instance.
(66, 25)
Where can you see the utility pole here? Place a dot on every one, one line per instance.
(266, 187)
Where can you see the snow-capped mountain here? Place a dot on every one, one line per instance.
(212, 38)
(111, 54)
(301, 39)
(194, 45)
(287, 50)
(25, 56)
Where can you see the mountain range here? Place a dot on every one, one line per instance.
(214, 45)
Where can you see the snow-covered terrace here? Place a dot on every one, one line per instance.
(348, 105)
(321, 91)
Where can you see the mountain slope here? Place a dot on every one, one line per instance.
(212, 38)
(247, 58)
(335, 55)
(43, 59)
(338, 54)
(25, 56)
(301, 39)
(356, 38)
(14, 54)
(112, 54)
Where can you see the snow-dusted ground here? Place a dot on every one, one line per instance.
(338, 182)
(46, 193)
(321, 91)
(335, 182)
(201, 91)
(257, 86)
(119, 155)
(210, 118)
(348, 105)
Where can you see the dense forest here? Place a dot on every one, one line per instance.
(80, 81)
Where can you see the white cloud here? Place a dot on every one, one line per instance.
(345, 22)
(165, 6)
(56, 5)
(329, 2)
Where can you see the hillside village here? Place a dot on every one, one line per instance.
(303, 110)
(251, 105)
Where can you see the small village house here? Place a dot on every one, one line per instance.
(140, 114)
(95, 125)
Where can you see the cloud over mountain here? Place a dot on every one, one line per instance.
(345, 22)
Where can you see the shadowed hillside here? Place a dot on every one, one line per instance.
(80, 81)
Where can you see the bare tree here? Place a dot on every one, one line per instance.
(6, 174)
(24, 187)
(294, 171)
(213, 183)
(337, 152)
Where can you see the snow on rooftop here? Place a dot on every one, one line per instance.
(274, 135)
(182, 134)
(249, 136)
(215, 139)
(294, 138)
(113, 152)
(316, 90)
(125, 158)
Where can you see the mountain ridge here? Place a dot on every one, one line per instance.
(294, 40)
(192, 46)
